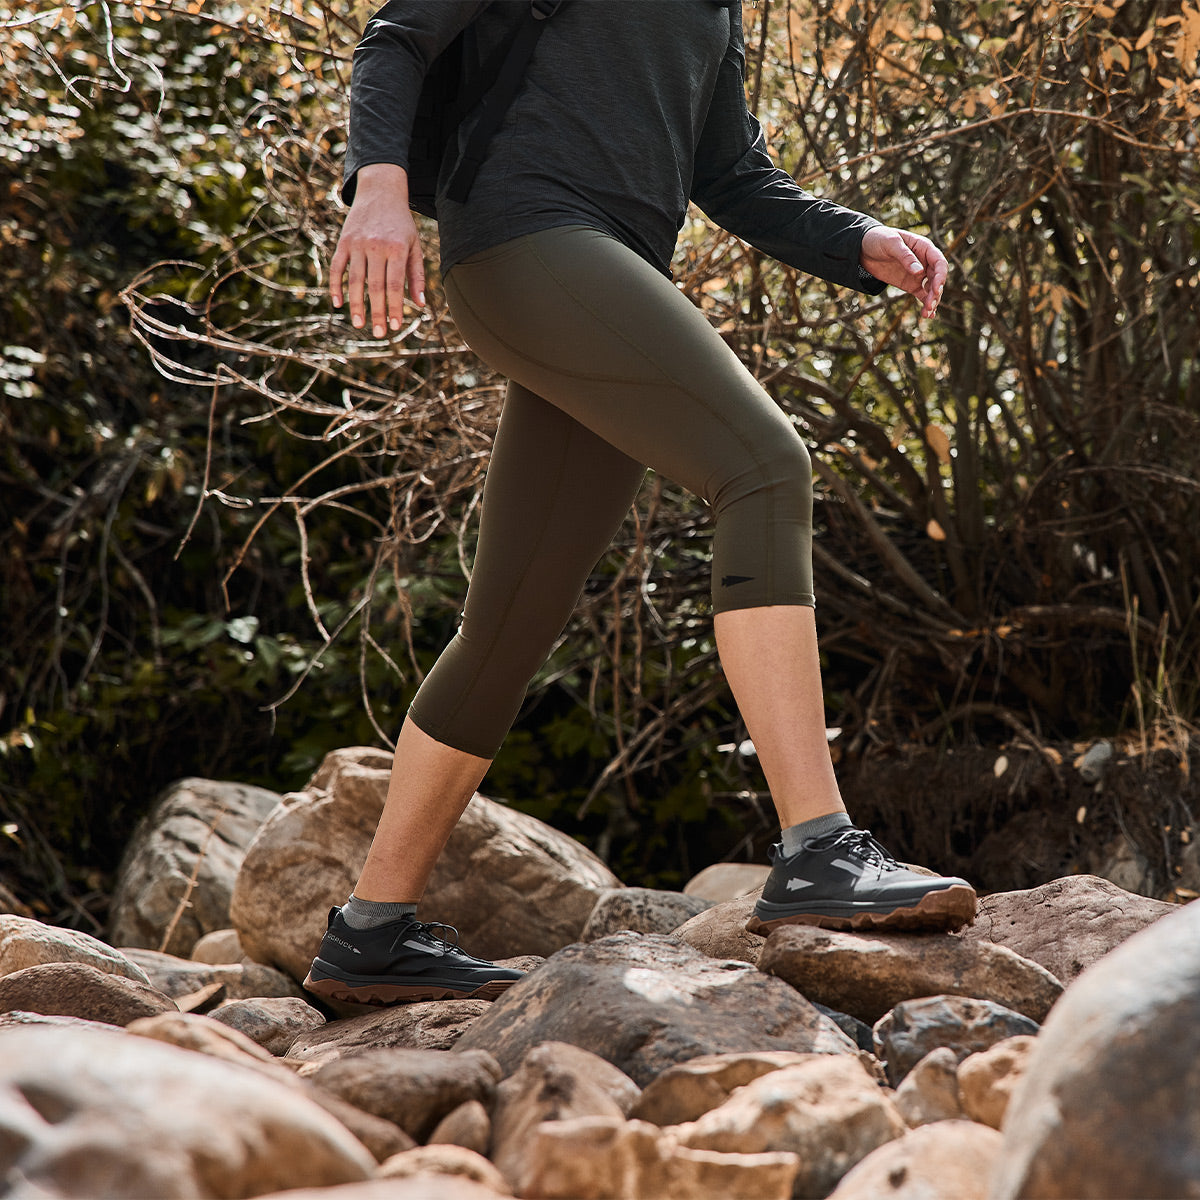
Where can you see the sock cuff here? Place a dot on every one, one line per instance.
(367, 914)
(794, 836)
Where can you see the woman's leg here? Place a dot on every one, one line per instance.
(578, 318)
(554, 497)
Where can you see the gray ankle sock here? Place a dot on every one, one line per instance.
(367, 914)
(794, 836)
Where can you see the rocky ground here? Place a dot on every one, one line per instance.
(655, 1050)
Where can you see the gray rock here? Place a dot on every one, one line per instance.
(272, 1022)
(1107, 1104)
(178, 871)
(180, 977)
(915, 1027)
(642, 910)
(645, 1002)
(414, 1089)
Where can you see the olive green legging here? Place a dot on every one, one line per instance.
(611, 370)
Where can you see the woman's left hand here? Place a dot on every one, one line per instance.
(906, 260)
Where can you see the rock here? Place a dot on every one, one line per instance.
(273, 1022)
(78, 990)
(859, 1032)
(721, 931)
(689, 1089)
(986, 1080)
(866, 974)
(642, 910)
(727, 881)
(645, 1002)
(418, 1187)
(442, 1160)
(829, 1111)
(219, 947)
(555, 1082)
(929, 1092)
(176, 878)
(204, 1035)
(949, 1160)
(915, 1027)
(1107, 1103)
(605, 1158)
(102, 1114)
(436, 1025)
(1066, 925)
(468, 1126)
(28, 943)
(414, 1089)
(180, 977)
(509, 883)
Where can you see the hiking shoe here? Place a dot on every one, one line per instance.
(847, 880)
(398, 963)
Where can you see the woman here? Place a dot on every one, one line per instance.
(556, 269)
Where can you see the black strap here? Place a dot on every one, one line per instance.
(493, 89)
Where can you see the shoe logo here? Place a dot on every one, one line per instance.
(734, 580)
(413, 944)
(794, 885)
(853, 868)
(333, 937)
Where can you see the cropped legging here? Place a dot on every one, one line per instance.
(611, 370)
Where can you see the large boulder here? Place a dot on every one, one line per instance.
(177, 875)
(866, 974)
(1065, 925)
(104, 1114)
(507, 882)
(646, 1002)
(1107, 1105)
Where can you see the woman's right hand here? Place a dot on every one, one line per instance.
(379, 251)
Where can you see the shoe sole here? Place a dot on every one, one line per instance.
(384, 995)
(941, 911)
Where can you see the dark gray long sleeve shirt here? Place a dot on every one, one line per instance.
(628, 110)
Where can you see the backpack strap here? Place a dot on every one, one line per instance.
(494, 87)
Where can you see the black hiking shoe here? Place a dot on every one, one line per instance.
(847, 880)
(398, 963)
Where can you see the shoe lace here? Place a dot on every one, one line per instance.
(859, 843)
(426, 930)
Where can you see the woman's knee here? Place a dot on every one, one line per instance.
(780, 474)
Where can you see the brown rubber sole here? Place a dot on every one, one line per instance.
(942, 911)
(365, 997)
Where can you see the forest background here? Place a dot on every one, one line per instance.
(234, 533)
